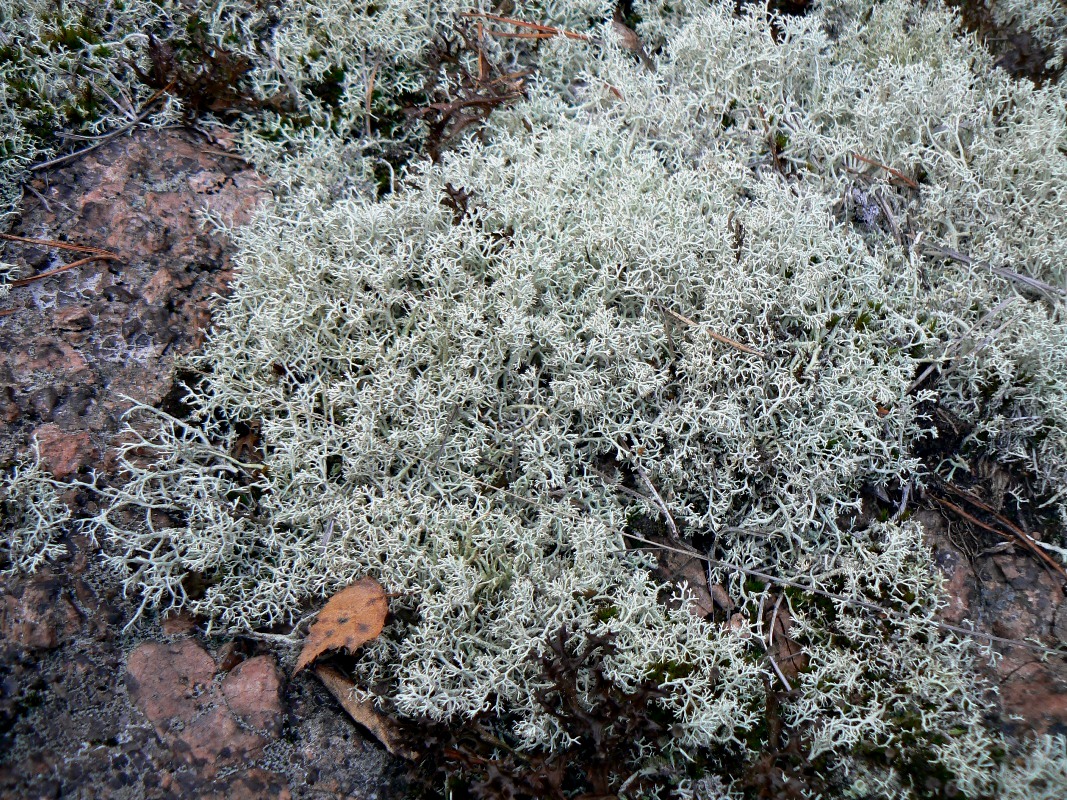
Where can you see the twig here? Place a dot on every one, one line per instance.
(949, 351)
(39, 196)
(369, 100)
(1026, 280)
(864, 604)
(541, 31)
(42, 275)
(772, 143)
(652, 489)
(1015, 530)
(223, 153)
(770, 646)
(78, 248)
(744, 348)
(1041, 554)
(894, 172)
(884, 205)
(507, 35)
(108, 136)
(626, 490)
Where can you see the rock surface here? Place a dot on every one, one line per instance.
(1008, 594)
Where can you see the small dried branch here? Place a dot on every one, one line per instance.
(770, 646)
(1032, 283)
(652, 490)
(540, 31)
(141, 117)
(78, 248)
(744, 348)
(1014, 531)
(896, 173)
(950, 351)
(40, 276)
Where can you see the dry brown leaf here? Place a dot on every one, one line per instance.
(680, 568)
(785, 650)
(722, 597)
(351, 618)
(384, 729)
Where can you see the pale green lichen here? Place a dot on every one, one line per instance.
(70, 69)
(33, 518)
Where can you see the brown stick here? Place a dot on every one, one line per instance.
(1015, 534)
(546, 31)
(744, 348)
(1018, 532)
(894, 172)
(78, 248)
(42, 275)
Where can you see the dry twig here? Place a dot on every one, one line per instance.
(145, 109)
(744, 348)
(1014, 532)
(539, 31)
(40, 276)
(896, 173)
(78, 248)
(1032, 283)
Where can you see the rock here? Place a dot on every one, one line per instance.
(214, 740)
(80, 717)
(44, 401)
(49, 358)
(959, 583)
(9, 409)
(1011, 595)
(253, 692)
(73, 318)
(252, 784)
(63, 452)
(178, 623)
(170, 682)
(230, 655)
(208, 726)
(1059, 623)
(40, 617)
(164, 283)
(121, 323)
(1036, 692)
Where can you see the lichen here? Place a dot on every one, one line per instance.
(34, 517)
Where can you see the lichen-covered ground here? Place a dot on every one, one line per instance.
(530, 314)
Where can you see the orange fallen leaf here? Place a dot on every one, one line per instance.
(351, 618)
